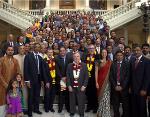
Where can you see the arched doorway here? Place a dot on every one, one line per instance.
(37, 4)
(67, 4)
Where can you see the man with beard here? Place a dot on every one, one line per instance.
(146, 50)
(140, 81)
(9, 68)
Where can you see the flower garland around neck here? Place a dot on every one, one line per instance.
(76, 73)
(51, 64)
(90, 62)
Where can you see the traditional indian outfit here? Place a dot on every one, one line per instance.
(104, 90)
(15, 101)
(8, 69)
(22, 89)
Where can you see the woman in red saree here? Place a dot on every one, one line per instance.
(102, 84)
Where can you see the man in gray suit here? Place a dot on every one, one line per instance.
(77, 80)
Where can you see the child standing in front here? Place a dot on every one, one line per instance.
(21, 86)
(13, 100)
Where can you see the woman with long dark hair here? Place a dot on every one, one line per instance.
(102, 70)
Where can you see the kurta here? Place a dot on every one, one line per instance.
(20, 59)
(8, 70)
(24, 96)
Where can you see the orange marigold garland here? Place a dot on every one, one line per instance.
(52, 64)
(90, 62)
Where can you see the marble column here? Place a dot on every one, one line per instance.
(10, 2)
(87, 6)
(126, 35)
(124, 2)
(47, 3)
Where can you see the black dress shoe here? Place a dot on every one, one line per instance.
(29, 115)
(88, 110)
(94, 111)
(52, 110)
(37, 112)
(46, 111)
(81, 115)
(71, 114)
(59, 111)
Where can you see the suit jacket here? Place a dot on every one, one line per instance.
(83, 77)
(140, 75)
(61, 67)
(77, 39)
(124, 75)
(31, 69)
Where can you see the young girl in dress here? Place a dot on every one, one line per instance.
(13, 100)
(20, 85)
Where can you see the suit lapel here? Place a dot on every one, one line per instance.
(81, 70)
(33, 58)
(140, 62)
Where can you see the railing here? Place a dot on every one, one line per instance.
(120, 10)
(36, 12)
(18, 12)
(64, 11)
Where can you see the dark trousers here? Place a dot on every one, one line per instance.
(117, 98)
(139, 106)
(149, 107)
(49, 97)
(92, 99)
(34, 96)
(63, 99)
(80, 97)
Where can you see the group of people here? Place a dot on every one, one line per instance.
(73, 57)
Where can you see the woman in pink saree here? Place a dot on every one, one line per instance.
(102, 84)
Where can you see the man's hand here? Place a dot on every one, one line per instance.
(70, 89)
(28, 84)
(97, 85)
(10, 105)
(42, 84)
(118, 88)
(143, 93)
(148, 97)
(83, 88)
(64, 79)
(47, 85)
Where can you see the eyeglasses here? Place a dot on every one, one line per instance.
(91, 48)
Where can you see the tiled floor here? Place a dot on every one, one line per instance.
(63, 114)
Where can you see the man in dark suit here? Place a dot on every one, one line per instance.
(98, 46)
(77, 37)
(74, 49)
(119, 80)
(33, 74)
(9, 42)
(61, 67)
(77, 80)
(91, 91)
(128, 55)
(139, 83)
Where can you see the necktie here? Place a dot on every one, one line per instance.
(109, 58)
(63, 61)
(136, 62)
(118, 73)
(37, 62)
(127, 59)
